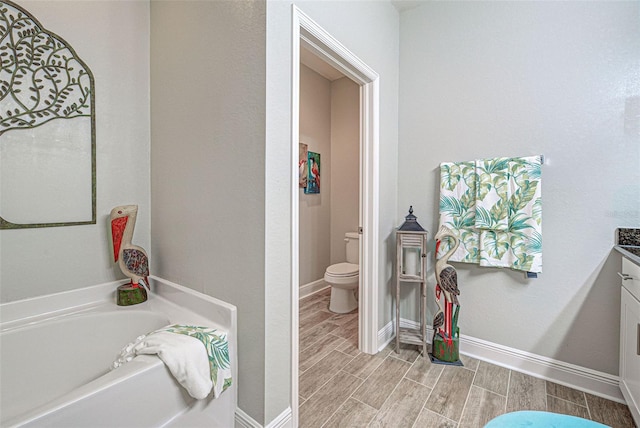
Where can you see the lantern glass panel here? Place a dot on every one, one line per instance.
(411, 257)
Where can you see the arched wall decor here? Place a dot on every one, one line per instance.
(47, 127)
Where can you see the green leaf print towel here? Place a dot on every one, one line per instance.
(495, 206)
(198, 369)
(492, 194)
(217, 347)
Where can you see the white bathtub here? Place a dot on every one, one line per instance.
(55, 354)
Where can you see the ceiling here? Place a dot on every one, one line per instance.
(329, 72)
(402, 5)
(319, 66)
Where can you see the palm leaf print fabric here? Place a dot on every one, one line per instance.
(217, 346)
(495, 206)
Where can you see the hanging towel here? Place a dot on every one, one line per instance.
(525, 214)
(198, 368)
(492, 211)
(501, 225)
(458, 208)
(492, 194)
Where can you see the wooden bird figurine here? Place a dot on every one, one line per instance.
(132, 259)
(438, 320)
(445, 273)
(447, 278)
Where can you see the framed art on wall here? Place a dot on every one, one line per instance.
(313, 178)
(303, 166)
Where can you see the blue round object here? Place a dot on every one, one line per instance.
(532, 419)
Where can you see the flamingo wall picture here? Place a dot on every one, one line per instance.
(445, 323)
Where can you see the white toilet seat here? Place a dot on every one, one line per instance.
(344, 279)
(343, 274)
(343, 269)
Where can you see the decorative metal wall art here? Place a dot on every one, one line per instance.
(47, 127)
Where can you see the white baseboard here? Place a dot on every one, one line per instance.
(388, 332)
(283, 420)
(243, 420)
(577, 377)
(312, 287)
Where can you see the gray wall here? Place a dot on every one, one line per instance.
(208, 165)
(345, 163)
(329, 125)
(371, 31)
(113, 40)
(484, 79)
(315, 209)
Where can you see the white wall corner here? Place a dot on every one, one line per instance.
(283, 420)
(577, 377)
(243, 420)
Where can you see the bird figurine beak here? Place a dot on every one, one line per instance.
(117, 230)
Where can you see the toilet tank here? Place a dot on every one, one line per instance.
(353, 247)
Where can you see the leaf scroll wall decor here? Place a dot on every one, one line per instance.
(42, 80)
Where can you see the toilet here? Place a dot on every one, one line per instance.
(344, 277)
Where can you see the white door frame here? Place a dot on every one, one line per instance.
(308, 33)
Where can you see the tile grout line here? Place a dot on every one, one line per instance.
(318, 389)
(566, 401)
(546, 396)
(300, 351)
(425, 401)
(331, 350)
(397, 384)
(353, 392)
(315, 341)
(466, 400)
(325, 383)
(506, 398)
(341, 404)
(587, 403)
(321, 386)
(433, 389)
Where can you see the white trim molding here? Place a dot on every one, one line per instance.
(312, 288)
(295, 210)
(311, 36)
(571, 375)
(577, 377)
(283, 420)
(243, 420)
(307, 33)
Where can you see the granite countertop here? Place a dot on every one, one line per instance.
(628, 243)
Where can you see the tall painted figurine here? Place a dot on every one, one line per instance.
(133, 260)
(446, 333)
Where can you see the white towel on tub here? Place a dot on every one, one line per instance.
(198, 368)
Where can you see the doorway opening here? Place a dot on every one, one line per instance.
(315, 40)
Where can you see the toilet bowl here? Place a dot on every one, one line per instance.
(344, 278)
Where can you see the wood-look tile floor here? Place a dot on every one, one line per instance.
(341, 387)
